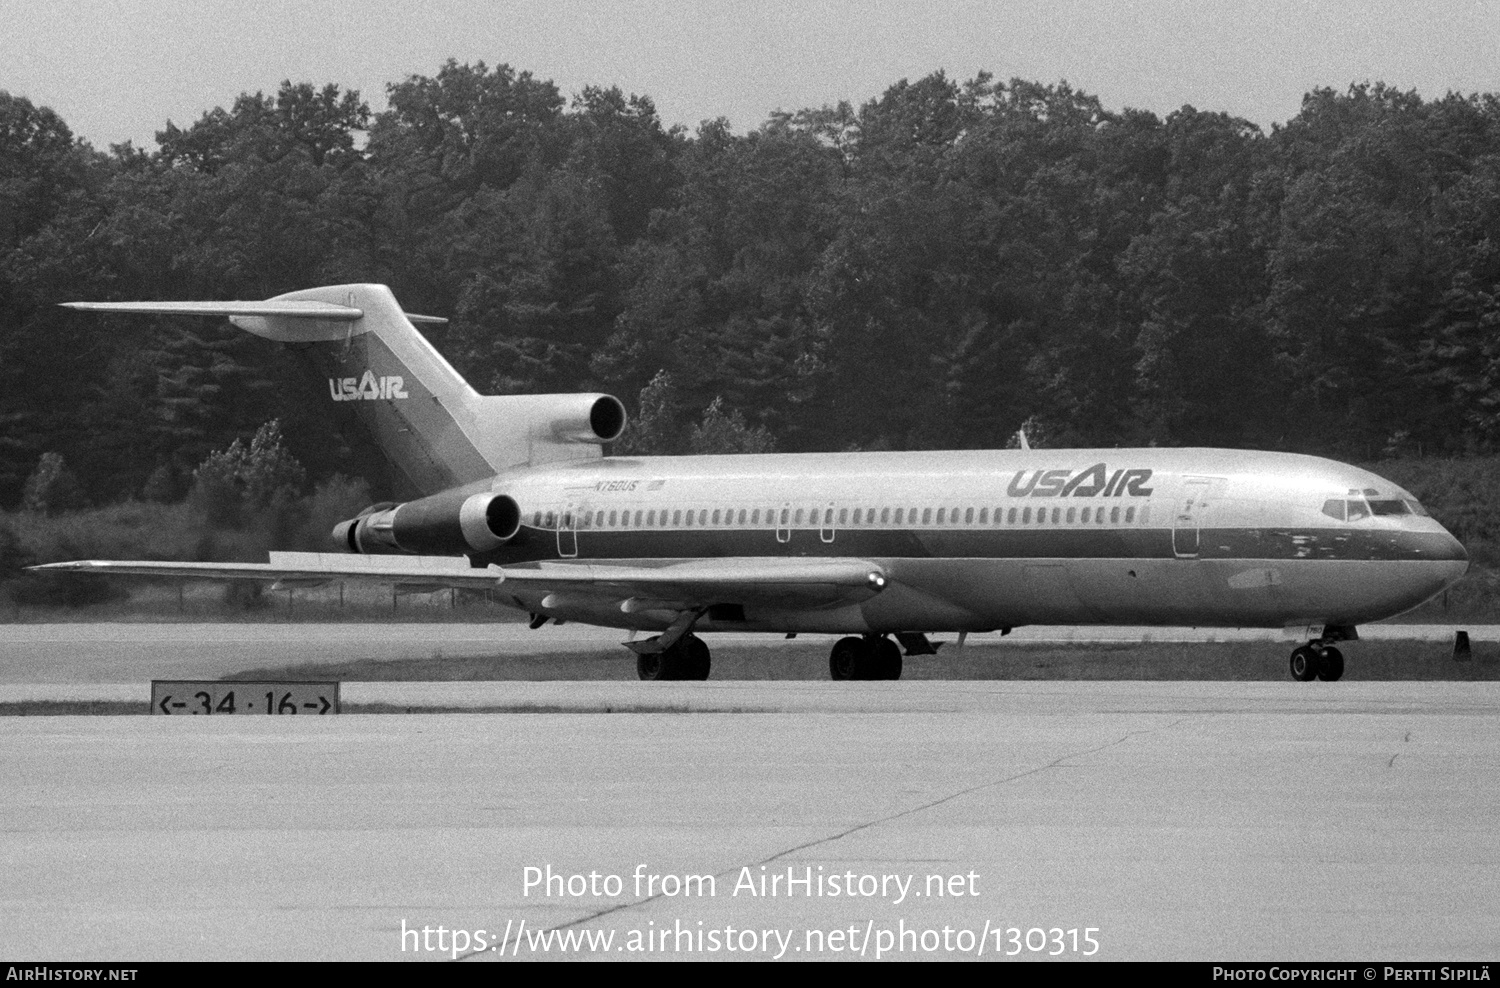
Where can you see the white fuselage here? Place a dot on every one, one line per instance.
(976, 541)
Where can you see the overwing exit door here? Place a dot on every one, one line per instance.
(567, 533)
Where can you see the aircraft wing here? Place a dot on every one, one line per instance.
(633, 584)
(652, 585)
(303, 569)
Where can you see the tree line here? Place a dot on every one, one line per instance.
(931, 269)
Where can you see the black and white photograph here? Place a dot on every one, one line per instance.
(797, 480)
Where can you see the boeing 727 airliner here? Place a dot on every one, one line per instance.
(516, 496)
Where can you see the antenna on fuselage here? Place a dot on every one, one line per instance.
(1021, 435)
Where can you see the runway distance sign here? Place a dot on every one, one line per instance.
(188, 698)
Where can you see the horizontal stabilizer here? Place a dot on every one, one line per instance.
(288, 309)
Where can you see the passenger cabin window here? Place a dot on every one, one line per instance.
(843, 516)
(1114, 516)
(1129, 515)
(885, 516)
(755, 517)
(677, 517)
(1057, 516)
(1083, 515)
(1010, 516)
(1025, 515)
(1071, 513)
(941, 511)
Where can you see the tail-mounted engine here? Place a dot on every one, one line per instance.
(451, 523)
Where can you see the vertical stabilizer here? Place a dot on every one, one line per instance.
(378, 370)
(438, 432)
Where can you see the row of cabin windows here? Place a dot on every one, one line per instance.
(798, 517)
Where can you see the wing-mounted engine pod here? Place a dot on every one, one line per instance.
(588, 419)
(488, 521)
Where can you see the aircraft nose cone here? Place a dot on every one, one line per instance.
(1453, 550)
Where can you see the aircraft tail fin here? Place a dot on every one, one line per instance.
(435, 429)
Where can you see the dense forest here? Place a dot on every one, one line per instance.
(928, 270)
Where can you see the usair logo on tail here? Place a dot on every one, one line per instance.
(367, 388)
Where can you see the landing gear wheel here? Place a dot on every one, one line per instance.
(848, 660)
(696, 659)
(687, 659)
(887, 659)
(652, 665)
(1331, 665)
(1305, 664)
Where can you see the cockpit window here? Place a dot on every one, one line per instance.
(1416, 508)
(1388, 506)
(1334, 509)
(1357, 510)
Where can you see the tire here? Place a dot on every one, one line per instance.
(1304, 664)
(1331, 665)
(847, 660)
(696, 660)
(887, 659)
(651, 666)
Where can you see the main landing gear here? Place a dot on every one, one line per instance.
(870, 657)
(1317, 660)
(686, 658)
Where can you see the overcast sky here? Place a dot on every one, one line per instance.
(117, 69)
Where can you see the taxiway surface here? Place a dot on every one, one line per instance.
(137, 653)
